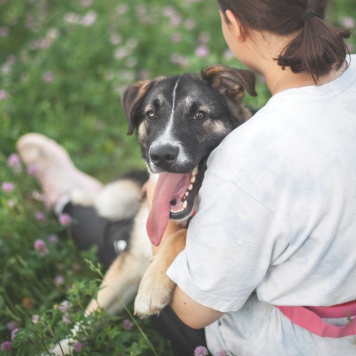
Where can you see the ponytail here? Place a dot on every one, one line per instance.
(318, 49)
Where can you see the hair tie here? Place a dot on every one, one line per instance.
(309, 14)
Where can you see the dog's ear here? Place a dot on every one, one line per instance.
(131, 98)
(230, 82)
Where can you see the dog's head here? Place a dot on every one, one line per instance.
(179, 120)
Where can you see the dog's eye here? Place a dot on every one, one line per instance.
(199, 115)
(150, 115)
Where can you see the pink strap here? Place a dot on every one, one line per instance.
(309, 318)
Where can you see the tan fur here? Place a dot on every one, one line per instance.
(142, 135)
(121, 281)
(156, 288)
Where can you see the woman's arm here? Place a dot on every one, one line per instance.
(193, 314)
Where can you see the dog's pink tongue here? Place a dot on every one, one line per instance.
(167, 187)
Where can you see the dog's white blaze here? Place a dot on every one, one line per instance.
(168, 135)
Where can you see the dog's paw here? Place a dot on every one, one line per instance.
(154, 293)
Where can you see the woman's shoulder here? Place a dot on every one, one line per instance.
(268, 120)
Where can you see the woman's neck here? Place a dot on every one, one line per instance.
(264, 49)
(279, 80)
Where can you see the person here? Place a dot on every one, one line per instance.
(268, 267)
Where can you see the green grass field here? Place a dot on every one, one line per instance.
(63, 67)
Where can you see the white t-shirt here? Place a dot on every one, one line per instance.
(276, 223)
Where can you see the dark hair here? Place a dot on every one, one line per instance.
(317, 48)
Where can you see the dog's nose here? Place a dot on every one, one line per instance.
(164, 154)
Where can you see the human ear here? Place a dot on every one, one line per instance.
(235, 26)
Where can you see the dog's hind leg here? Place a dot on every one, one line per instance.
(119, 285)
(117, 290)
(122, 279)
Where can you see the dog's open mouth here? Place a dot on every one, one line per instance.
(173, 199)
(179, 202)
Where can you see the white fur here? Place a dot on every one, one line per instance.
(118, 200)
(167, 136)
(154, 177)
(82, 197)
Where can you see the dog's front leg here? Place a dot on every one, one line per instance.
(155, 290)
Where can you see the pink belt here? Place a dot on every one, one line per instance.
(310, 318)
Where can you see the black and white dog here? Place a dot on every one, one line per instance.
(178, 120)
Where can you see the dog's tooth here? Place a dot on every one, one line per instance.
(193, 179)
(195, 171)
(175, 211)
(190, 187)
(186, 194)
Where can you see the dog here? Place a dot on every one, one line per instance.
(178, 121)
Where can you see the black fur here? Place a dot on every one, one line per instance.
(179, 120)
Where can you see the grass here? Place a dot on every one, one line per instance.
(63, 66)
